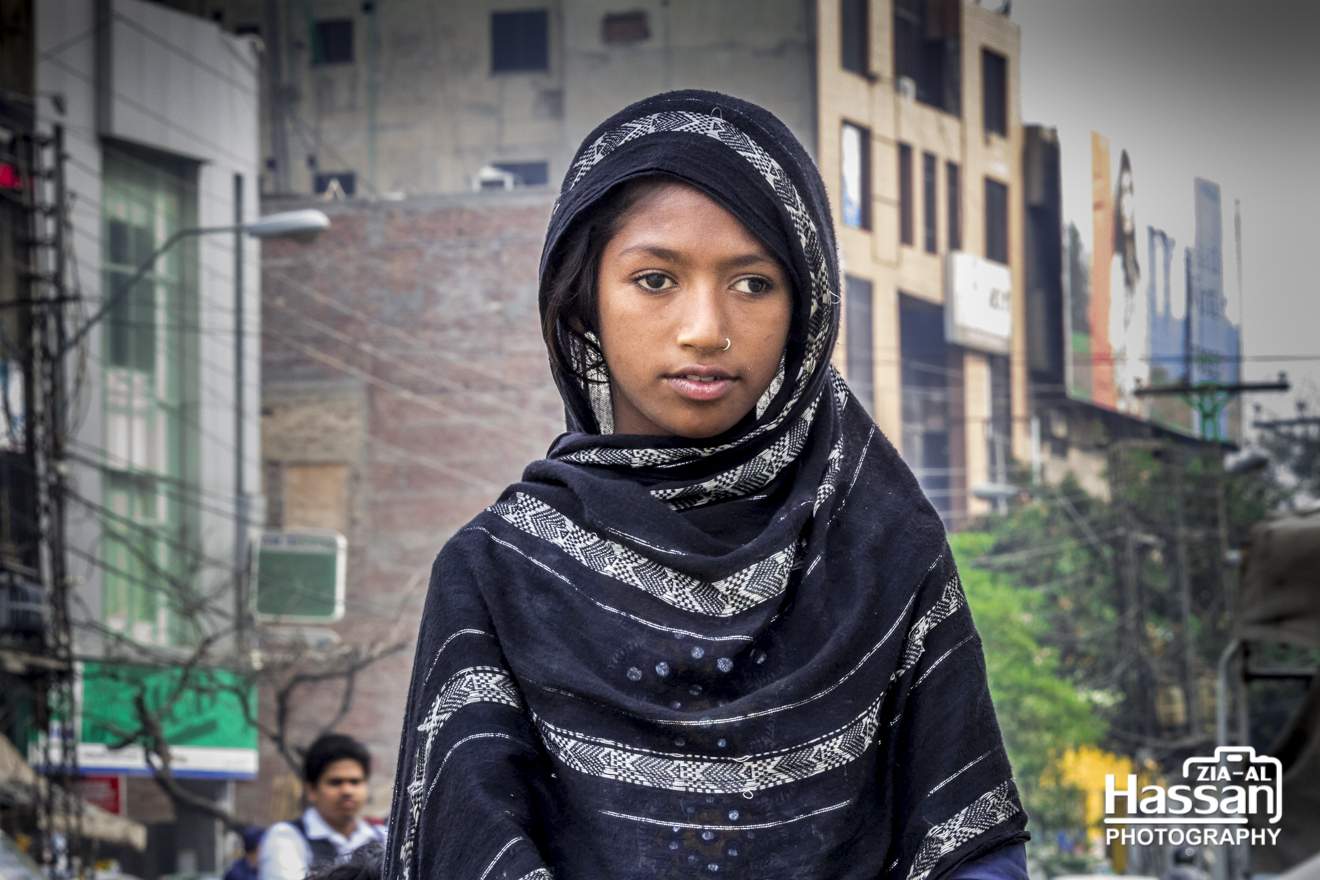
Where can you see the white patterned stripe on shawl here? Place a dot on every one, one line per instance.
(963, 769)
(650, 624)
(475, 684)
(822, 296)
(757, 826)
(740, 591)
(502, 851)
(753, 474)
(973, 820)
(950, 600)
(710, 774)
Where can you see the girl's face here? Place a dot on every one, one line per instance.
(680, 277)
(1125, 201)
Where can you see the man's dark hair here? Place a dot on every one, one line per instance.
(331, 747)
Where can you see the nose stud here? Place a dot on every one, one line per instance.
(728, 344)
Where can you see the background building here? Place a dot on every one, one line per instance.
(920, 136)
(144, 402)
(414, 97)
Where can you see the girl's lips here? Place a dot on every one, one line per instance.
(699, 390)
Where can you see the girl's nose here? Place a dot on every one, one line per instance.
(703, 321)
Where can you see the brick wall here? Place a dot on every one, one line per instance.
(404, 346)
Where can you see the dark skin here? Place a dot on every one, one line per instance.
(340, 794)
(680, 280)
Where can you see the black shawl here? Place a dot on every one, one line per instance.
(745, 656)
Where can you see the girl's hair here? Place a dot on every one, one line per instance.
(1125, 241)
(570, 294)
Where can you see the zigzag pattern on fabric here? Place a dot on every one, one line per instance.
(822, 295)
(711, 774)
(950, 600)
(755, 473)
(740, 591)
(979, 816)
(476, 684)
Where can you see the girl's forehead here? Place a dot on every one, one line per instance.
(683, 216)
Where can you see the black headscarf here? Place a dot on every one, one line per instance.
(749, 655)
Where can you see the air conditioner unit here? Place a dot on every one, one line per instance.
(490, 177)
(907, 88)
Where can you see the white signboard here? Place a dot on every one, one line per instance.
(978, 297)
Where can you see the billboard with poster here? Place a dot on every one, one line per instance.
(1152, 284)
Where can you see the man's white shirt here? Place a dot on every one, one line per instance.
(285, 855)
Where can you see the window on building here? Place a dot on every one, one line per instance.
(996, 221)
(519, 41)
(856, 164)
(247, 30)
(335, 183)
(998, 437)
(905, 233)
(929, 202)
(855, 35)
(314, 496)
(927, 51)
(994, 92)
(526, 173)
(928, 380)
(332, 42)
(953, 208)
(150, 392)
(859, 344)
(624, 28)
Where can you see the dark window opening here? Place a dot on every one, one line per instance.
(247, 30)
(519, 41)
(855, 35)
(905, 194)
(1001, 418)
(624, 27)
(332, 42)
(859, 343)
(856, 165)
(526, 173)
(996, 221)
(929, 378)
(927, 50)
(336, 183)
(994, 92)
(929, 202)
(953, 211)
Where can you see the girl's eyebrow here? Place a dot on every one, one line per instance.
(673, 256)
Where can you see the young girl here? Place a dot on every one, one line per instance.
(717, 630)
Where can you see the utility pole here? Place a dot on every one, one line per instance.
(1185, 599)
(1210, 399)
(56, 708)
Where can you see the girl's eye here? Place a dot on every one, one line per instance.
(653, 281)
(753, 285)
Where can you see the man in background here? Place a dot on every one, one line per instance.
(335, 772)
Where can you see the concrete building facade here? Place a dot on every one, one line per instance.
(159, 113)
(919, 105)
(415, 97)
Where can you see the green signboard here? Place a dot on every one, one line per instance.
(204, 721)
(301, 575)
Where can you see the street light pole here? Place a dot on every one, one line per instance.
(282, 225)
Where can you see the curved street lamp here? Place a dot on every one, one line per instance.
(282, 225)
